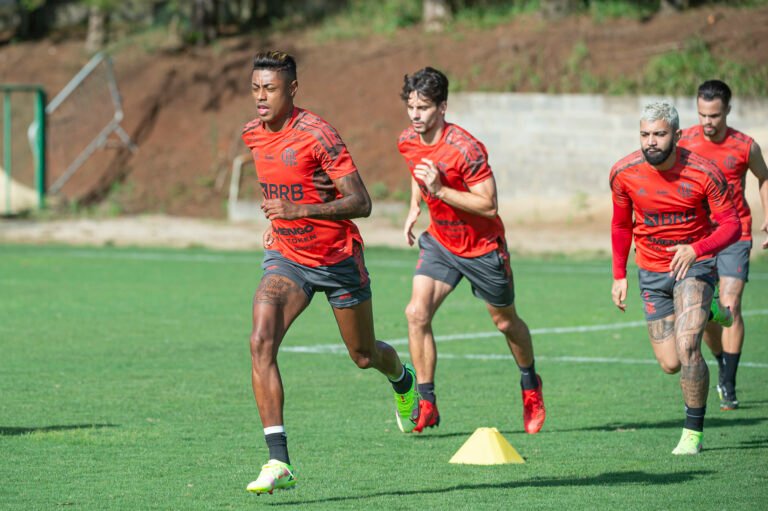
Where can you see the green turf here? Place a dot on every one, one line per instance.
(124, 384)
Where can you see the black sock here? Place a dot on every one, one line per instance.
(730, 365)
(278, 447)
(528, 380)
(720, 368)
(427, 392)
(694, 418)
(403, 384)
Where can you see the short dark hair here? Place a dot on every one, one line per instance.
(427, 82)
(276, 61)
(715, 89)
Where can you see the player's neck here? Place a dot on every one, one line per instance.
(434, 135)
(667, 164)
(279, 123)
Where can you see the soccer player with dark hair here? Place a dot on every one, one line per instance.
(465, 238)
(311, 190)
(671, 192)
(735, 153)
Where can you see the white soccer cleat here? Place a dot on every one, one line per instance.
(275, 475)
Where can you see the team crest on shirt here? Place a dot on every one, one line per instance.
(685, 190)
(729, 162)
(289, 157)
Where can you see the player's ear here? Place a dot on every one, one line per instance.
(728, 110)
(443, 107)
(678, 134)
(293, 87)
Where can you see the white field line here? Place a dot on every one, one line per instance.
(339, 348)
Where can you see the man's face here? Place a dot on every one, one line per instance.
(273, 94)
(657, 141)
(425, 116)
(712, 116)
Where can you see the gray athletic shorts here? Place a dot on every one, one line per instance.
(657, 288)
(345, 284)
(733, 260)
(490, 274)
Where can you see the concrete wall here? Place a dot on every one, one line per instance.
(551, 154)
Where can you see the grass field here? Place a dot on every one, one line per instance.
(124, 384)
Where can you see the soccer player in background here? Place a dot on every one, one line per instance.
(465, 238)
(734, 153)
(671, 191)
(311, 190)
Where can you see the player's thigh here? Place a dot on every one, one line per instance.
(731, 291)
(280, 297)
(356, 327)
(661, 333)
(427, 294)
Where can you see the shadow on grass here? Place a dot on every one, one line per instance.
(709, 422)
(606, 479)
(759, 443)
(16, 431)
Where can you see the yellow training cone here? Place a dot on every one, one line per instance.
(487, 446)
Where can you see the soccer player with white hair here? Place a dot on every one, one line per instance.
(671, 192)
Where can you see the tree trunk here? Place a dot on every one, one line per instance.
(436, 14)
(98, 20)
(555, 9)
(674, 5)
(205, 20)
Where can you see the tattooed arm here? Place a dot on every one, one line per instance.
(354, 203)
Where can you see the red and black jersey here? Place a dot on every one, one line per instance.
(731, 155)
(670, 207)
(463, 162)
(299, 164)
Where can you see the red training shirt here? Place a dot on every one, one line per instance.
(731, 155)
(463, 162)
(299, 164)
(670, 208)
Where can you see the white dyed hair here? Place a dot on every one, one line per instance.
(661, 111)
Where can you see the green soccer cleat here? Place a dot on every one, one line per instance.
(690, 442)
(728, 400)
(720, 314)
(275, 475)
(406, 404)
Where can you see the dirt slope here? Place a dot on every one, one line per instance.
(185, 110)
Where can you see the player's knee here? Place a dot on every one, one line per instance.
(261, 344)
(417, 315)
(363, 360)
(670, 367)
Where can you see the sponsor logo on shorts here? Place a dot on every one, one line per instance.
(345, 296)
(650, 308)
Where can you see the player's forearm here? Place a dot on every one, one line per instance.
(621, 239)
(468, 201)
(728, 231)
(345, 208)
(764, 198)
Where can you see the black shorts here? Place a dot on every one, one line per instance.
(657, 288)
(733, 260)
(490, 274)
(345, 284)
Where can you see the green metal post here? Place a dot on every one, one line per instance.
(40, 163)
(7, 148)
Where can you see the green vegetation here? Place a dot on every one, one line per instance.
(125, 385)
(679, 72)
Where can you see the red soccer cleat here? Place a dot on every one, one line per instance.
(533, 408)
(428, 417)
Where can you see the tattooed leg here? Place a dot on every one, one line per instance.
(662, 335)
(277, 302)
(692, 298)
